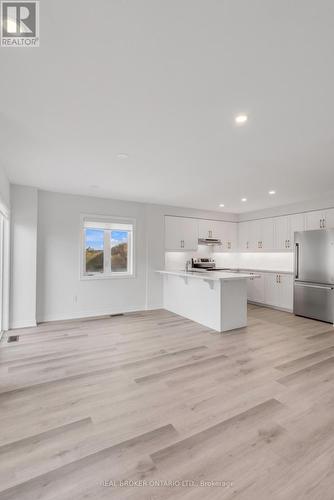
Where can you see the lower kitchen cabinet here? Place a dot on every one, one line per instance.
(255, 289)
(272, 289)
(278, 290)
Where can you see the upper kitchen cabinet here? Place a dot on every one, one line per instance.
(296, 223)
(285, 227)
(227, 232)
(208, 229)
(244, 236)
(181, 233)
(267, 231)
(314, 220)
(282, 233)
(320, 219)
(329, 219)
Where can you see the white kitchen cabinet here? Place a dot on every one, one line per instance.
(271, 292)
(320, 219)
(296, 223)
(208, 228)
(181, 234)
(243, 236)
(285, 284)
(282, 233)
(228, 236)
(314, 220)
(278, 290)
(254, 235)
(255, 288)
(329, 219)
(261, 235)
(285, 227)
(226, 232)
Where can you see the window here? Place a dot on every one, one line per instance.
(107, 247)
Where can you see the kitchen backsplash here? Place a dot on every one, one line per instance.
(280, 261)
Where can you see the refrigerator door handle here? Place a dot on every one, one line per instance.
(297, 260)
(324, 287)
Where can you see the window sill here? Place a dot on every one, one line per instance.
(115, 276)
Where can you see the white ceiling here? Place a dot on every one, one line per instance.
(161, 80)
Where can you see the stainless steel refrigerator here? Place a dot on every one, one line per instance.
(314, 275)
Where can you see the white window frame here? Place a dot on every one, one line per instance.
(107, 273)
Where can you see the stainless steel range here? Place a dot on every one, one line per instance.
(205, 264)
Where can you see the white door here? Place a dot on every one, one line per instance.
(314, 220)
(181, 233)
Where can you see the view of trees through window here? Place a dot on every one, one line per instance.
(95, 247)
(119, 250)
(94, 240)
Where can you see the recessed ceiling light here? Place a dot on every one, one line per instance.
(243, 200)
(241, 119)
(122, 156)
(272, 192)
(221, 205)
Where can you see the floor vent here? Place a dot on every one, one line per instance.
(13, 338)
(116, 315)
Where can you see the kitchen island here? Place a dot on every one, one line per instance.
(216, 299)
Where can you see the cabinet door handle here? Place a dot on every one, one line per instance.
(324, 223)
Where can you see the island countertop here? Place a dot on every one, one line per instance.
(209, 275)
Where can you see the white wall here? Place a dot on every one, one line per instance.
(4, 189)
(23, 256)
(60, 292)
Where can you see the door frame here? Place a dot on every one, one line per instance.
(4, 269)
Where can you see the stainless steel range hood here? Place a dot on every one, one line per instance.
(209, 241)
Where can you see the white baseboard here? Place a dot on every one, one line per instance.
(269, 306)
(87, 314)
(29, 323)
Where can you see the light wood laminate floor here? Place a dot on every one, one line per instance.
(156, 398)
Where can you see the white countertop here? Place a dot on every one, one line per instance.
(274, 271)
(209, 275)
